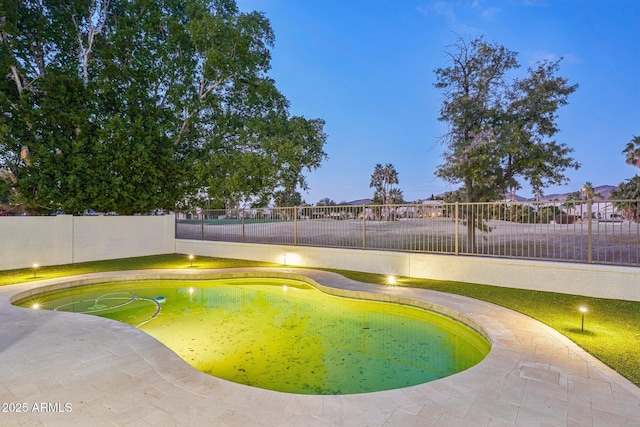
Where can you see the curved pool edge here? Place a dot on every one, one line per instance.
(475, 331)
(121, 374)
(369, 293)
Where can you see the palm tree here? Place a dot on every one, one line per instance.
(626, 196)
(395, 196)
(632, 152)
(589, 192)
(383, 179)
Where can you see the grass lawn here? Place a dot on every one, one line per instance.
(611, 328)
(140, 263)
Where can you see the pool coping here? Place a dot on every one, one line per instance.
(339, 292)
(115, 373)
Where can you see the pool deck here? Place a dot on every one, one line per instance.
(66, 369)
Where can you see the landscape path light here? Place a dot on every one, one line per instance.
(583, 310)
(191, 259)
(35, 270)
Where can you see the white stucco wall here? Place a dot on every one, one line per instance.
(67, 239)
(109, 237)
(28, 240)
(579, 279)
(63, 239)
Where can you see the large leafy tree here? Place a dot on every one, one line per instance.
(500, 129)
(326, 202)
(133, 105)
(5, 189)
(284, 199)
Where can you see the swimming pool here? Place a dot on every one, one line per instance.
(283, 334)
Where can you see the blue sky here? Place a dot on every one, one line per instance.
(367, 68)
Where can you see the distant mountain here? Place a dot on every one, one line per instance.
(441, 196)
(603, 190)
(360, 202)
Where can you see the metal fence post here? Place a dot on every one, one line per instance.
(295, 225)
(242, 237)
(202, 225)
(457, 230)
(364, 226)
(589, 231)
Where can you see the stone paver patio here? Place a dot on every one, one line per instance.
(66, 369)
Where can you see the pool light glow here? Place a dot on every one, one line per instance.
(290, 259)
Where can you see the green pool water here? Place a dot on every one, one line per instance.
(282, 334)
